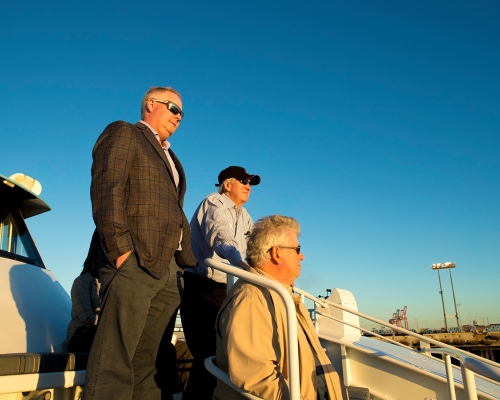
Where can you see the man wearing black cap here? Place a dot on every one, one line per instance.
(219, 229)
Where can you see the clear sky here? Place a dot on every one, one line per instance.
(375, 124)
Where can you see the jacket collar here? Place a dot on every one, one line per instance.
(148, 133)
(260, 272)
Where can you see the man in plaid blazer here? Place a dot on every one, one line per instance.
(137, 193)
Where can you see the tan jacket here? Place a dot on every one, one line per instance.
(252, 342)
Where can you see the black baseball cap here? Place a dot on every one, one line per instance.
(237, 173)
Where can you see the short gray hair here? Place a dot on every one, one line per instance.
(221, 186)
(267, 232)
(152, 92)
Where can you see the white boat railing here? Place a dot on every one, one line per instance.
(224, 377)
(292, 350)
(470, 364)
(400, 329)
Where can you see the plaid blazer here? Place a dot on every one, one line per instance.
(135, 203)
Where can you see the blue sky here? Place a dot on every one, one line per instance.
(375, 124)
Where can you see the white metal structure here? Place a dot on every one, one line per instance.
(389, 370)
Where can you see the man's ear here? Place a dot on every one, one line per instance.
(149, 105)
(275, 254)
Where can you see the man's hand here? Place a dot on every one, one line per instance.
(119, 261)
(243, 265)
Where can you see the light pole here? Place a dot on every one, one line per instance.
(442, 298)
(453, 291)
(447, 265)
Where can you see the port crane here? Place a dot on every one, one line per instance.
(398, 316)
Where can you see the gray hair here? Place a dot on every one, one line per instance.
(267, 232)
(152, 92)
(221, 186)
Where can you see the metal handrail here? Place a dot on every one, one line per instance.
(303, 294)
(491, 372)
(468, 366)
(409, 333)
(469, 363)
(224, 377)
(366, 330)
(293, 359)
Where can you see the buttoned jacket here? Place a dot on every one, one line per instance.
(135, 203)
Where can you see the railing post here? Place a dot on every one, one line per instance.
(449, 377)
(230, 281)
(346, 370)
(316, 318)
(469, 383)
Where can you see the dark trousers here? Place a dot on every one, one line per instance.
(200, 304)
(136, 309)
(167, 375)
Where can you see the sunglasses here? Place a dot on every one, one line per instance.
(245, 181)
(297, 249)
(171, 106)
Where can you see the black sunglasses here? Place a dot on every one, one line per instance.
(297, 249)
(245, 181)
(171, 106)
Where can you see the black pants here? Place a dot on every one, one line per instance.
(200, 304)
(135, 312)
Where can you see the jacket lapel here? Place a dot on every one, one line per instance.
(180, 170)
(154, 142)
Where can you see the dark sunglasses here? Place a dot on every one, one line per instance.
(171, 106)
(297, 249)
(245, 181)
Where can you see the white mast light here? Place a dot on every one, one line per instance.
(445, 265)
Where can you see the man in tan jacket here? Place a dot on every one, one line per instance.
(251, 326)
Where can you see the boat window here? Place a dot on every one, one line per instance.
(15, 240)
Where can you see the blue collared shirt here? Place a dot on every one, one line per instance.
(219, 229)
